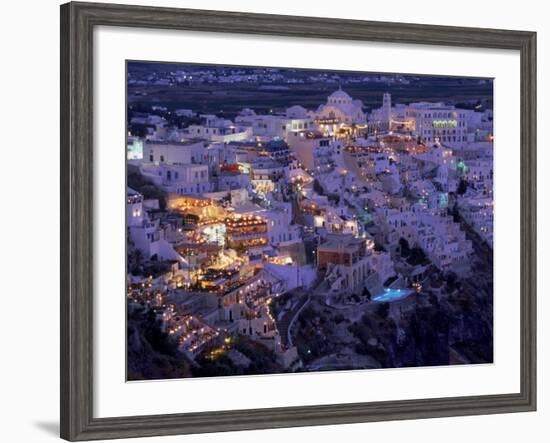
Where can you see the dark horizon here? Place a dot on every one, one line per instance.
(224, 98)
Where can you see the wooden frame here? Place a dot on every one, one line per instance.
(77, 23)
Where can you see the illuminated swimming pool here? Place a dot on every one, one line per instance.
(391, 294)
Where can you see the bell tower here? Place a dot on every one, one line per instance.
(386, 108)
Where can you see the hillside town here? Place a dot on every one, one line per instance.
(271, 241)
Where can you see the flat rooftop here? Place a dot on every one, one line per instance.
(341, 241)
(186, 142)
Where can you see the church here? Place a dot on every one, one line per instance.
(341, 108)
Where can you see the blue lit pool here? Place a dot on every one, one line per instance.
(390, 295)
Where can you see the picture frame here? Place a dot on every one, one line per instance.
(77, 211)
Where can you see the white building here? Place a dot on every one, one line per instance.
(444, 242)
(184, 152)
(181, 179)
(264, 169)
(305, 144)
(275, 126)
(439, 155)
(297, 111)
(146, 234)
(434, 122)
(480, 173)
(223, 133)
(279, 227)
(184, 113)
(134, 148)
(341, 108)
(478, 212)
(350, 262)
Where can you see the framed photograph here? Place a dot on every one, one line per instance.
(272, 221)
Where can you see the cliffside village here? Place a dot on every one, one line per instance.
(322, 200)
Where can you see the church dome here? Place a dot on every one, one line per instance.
(296, 111)
(339, 94)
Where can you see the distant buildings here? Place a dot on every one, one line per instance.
(432, 122)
